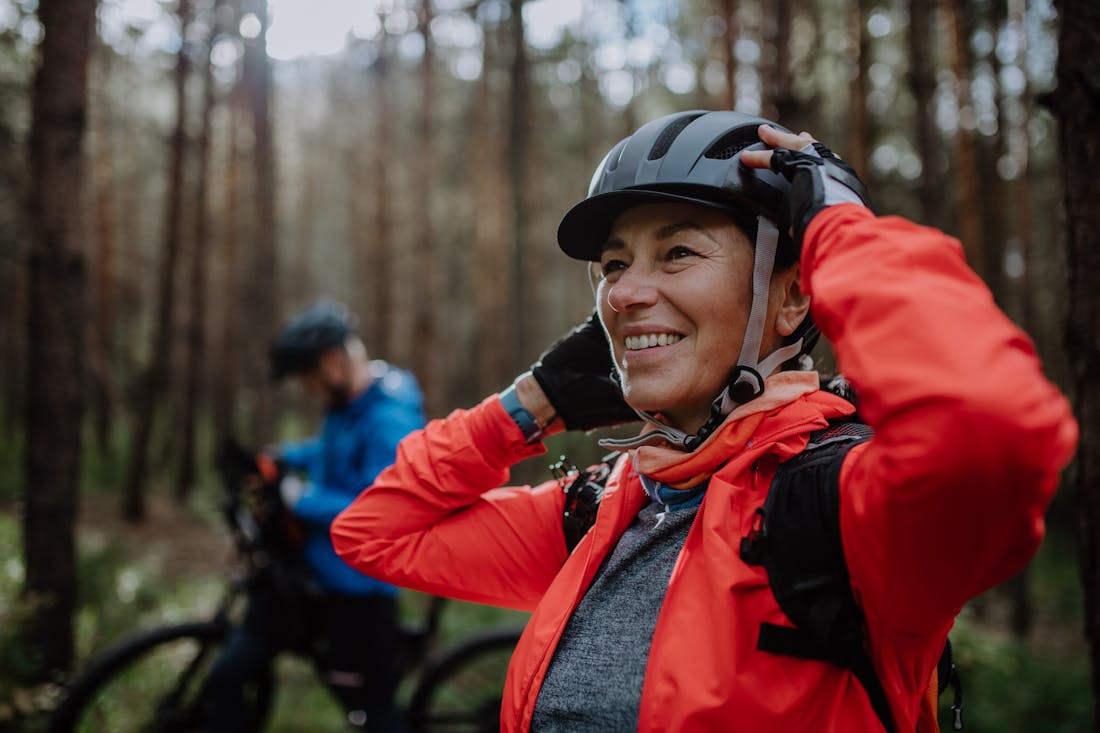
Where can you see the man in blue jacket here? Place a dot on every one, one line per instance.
(370, 407)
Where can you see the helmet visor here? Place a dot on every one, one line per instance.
(584, 229)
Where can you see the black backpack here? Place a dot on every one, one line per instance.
(796, 538)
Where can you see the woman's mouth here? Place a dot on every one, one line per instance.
(650, 340)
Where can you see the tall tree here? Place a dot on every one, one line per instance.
(859, 122)
(55, 322)
(302, 285)
(779, 90)
(225, 382)
(492, 254)
(922, 85)
(262, 286)
(728, 10)
(519, 123)
(425, 357)
(379, 276)
(1008, 231)
(991, 19)
(155, 378)
(968, 207)
(1077, 105)
(101, 345)
(1019, 148)
(195, 329)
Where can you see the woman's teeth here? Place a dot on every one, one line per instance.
(649, 340)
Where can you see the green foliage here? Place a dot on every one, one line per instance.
(1011, 686)
(1039, 683)
(22, 694)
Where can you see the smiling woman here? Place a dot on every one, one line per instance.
(716, 233)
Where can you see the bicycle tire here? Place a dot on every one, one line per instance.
(460, 690)
(158, 671)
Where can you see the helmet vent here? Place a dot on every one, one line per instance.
(725, 148)
(670, 133)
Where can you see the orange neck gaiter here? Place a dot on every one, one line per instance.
(681, 470)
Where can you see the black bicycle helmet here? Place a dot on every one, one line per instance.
(695, 157)
(691, 157)
(322, 326)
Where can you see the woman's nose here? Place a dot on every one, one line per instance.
(632, 289)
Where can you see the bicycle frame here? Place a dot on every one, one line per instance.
(462, 683)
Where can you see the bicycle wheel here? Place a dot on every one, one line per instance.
(151, 682)
(460, 692)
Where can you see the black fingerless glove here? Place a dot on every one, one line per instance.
(575, 375)
(817, 181)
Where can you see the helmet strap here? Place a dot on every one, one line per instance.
(747, 380)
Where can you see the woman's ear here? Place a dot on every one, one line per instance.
(793, 303)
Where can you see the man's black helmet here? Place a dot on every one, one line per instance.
(309, 334)
(691, 157)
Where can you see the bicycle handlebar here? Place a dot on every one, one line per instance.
(252, 507)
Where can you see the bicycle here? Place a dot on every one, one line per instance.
(153, 679)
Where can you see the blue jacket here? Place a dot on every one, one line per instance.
(356, 442)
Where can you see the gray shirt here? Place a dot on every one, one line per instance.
(594, 682)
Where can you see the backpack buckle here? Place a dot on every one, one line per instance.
(752, 544)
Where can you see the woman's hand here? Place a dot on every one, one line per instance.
(818, 178)
(575, 376)
(777, 139)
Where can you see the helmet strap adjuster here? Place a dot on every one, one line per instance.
(745, 384)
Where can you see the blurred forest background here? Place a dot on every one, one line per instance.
(190, 172)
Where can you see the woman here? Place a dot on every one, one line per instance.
(711, 264)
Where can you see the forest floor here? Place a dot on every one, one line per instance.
(175, 539)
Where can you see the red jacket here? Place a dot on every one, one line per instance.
(969, 442)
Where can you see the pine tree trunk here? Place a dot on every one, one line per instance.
(858, 153)
(991, 149)
(1077, 105)
(101, 346)
(155, 378)
(195, 330)
(781, 103)
(1020, 149)
(225, 382)
(492, 256)
(922, 85)
(967, 204)
(55, 323)
(728, 9)
(425, 354)
(379, 275)
(262, 286)
(302, 284)
(519, 124)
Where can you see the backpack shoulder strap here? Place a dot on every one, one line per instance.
(796, 537)
(583, 492)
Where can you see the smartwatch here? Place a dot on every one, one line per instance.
(520, 415)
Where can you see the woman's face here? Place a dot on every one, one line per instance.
(674, 300)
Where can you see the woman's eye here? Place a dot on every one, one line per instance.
(679, 252)
(612, 266)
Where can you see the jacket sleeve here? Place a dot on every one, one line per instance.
(301, 456)
(434, 521)
(947, 500)
(379, 436)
